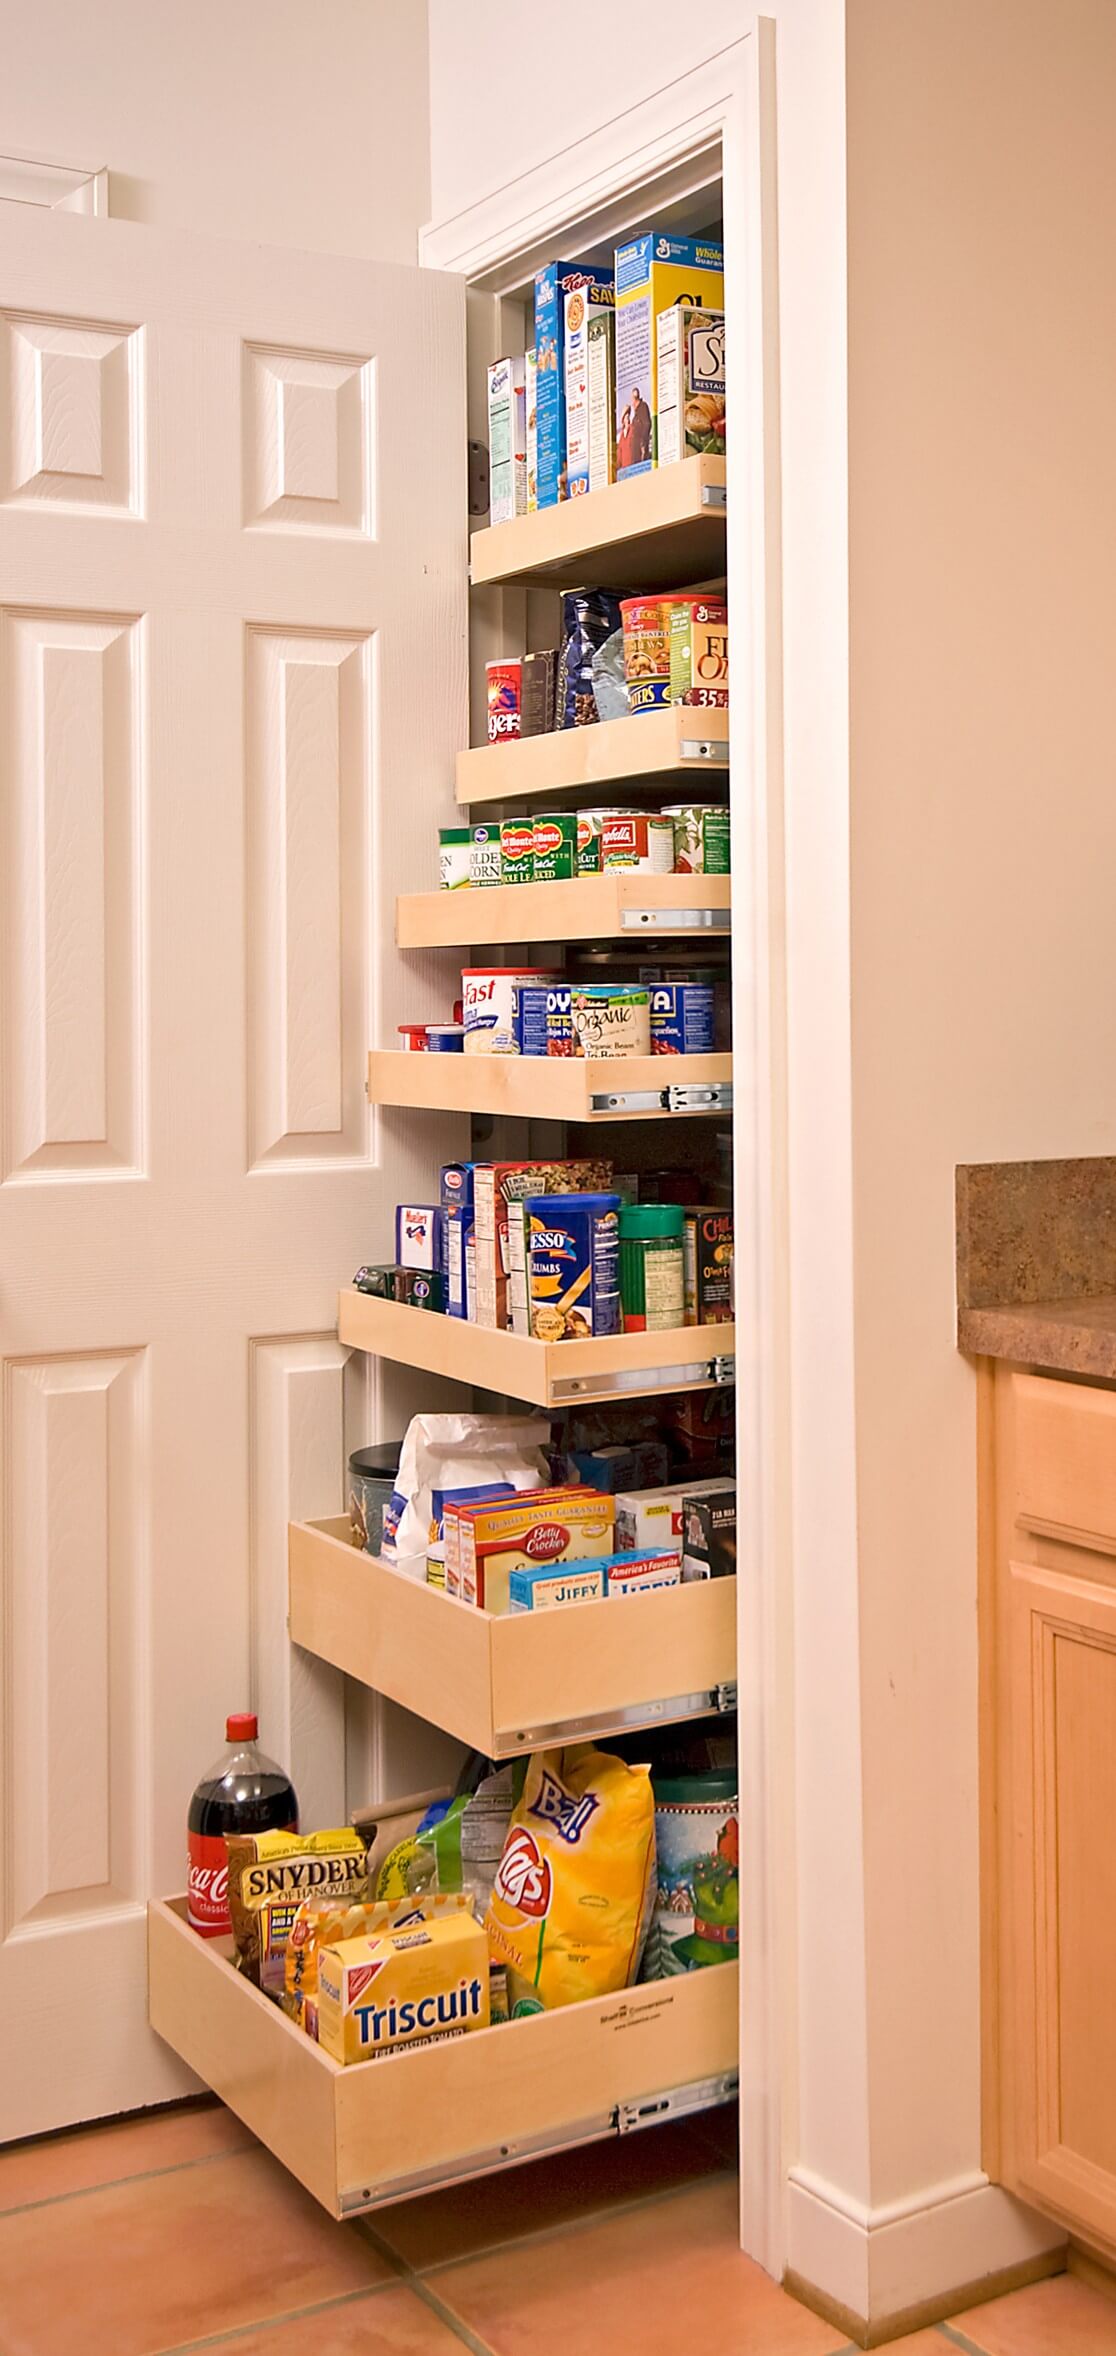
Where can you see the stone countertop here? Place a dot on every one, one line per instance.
(1036, 1263)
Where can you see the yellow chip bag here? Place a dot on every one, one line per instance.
(569, 1911)
(323, 1922)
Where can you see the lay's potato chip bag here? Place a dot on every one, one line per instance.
(570, 1909)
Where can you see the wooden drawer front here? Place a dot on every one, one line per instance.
(1063, 1900)
(1065, 1459)
(381, 2130)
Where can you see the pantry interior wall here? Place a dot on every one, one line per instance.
(262, 121)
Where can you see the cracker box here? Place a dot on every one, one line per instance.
(709, 1535)
(552, 284)
(507, 440)
(653, 272)
(418, 1236)
(602, 399)
(495, 1186)
(707, 1253)
(544, 1526)
(650, 1518)
(534, 1588)
(581, 303)
(403, 1987)
(690, 355)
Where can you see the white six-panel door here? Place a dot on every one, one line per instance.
(232, 639)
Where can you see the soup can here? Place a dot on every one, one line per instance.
(611, 1018)
(639, 839)
(505, 688)
(647, 651)
(453, 857)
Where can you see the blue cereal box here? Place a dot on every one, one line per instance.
(582, 303)
(552, 284)
(418, 1235)
(681, 1018)
(543, 1585)
(653, 273)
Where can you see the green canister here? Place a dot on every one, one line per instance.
(651, 1294)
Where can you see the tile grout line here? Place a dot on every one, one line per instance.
(82, 2192)
(960, 2339)
(241, 2331)
(452, 2322)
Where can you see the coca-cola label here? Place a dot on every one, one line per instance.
(207, 1866)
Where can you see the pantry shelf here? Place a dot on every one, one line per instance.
(661, 530)
(618, 905)
(555, 1088)
(683, 741)
(461, 2106)
(546, 1374)
(509, 1684)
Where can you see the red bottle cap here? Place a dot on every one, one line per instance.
(244, 1726)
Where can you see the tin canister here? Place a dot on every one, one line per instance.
(484, 855)
(639, 839)
(590, 826)
(573, 1264)
(505, 687)
(701, 837)
(647, 651)
(560, 1038)
(445, 1038)
(699, 652)
(697, 1905)
(517, 850)
(491, 1006)
(372, 1475)
(611, 1018)
(555, 847)
(681, 1018)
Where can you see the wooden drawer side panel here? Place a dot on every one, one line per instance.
(1065, 1460)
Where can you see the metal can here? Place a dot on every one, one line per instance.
(590, 824)
(505, 689)
(445, 1038)
(647, 651)
(701, 837)
(639, 839)
(517, 850)
(560, 1038)
(484, 855)
(555, 847)
(611, 1018)
(453, 857)
(681, 1018)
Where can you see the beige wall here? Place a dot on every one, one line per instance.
(293, 122)
(982, 475)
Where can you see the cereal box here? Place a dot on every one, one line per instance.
(552, 284)
(580, 305)
(690, 350)
(403, 1987)
(653, 272)
(507, 440)
(542, 1526)
(495, 1185)
(536, 1589)
(602, 399)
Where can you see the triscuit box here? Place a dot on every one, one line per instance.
(652, 273)
(552, 284)
(507, 440)
(582, 303)
(534, 1588)
(545, 1526)
(690, 374)
(404, 1987)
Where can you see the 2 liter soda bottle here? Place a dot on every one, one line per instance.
(243, 1792)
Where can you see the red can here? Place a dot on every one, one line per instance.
(505, 696)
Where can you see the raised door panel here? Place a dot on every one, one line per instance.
(1062, 1650)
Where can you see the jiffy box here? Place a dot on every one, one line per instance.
(548, 1526)
(402, 1988)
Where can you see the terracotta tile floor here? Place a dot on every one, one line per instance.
(177, 2234)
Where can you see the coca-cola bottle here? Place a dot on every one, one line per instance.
(243, 1792)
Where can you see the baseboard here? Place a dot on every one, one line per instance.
(898, 2267)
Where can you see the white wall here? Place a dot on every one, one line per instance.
(290, 122)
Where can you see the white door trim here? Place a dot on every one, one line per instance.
(722, 114)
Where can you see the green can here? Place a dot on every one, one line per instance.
(517, 850)
(555, 847)
(651, 1294)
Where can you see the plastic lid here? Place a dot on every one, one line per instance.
(378, 1462)
(243, 1726)
(678, 1791)
(572, 1202)
(639, 1220)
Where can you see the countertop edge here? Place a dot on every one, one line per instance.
(1055, 1335)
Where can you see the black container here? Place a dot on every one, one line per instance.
(372, 1474)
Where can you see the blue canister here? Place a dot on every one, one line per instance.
(573, 1265)
(681, 1018)
(445, 1038)
(530, 1017)
(559, 1020)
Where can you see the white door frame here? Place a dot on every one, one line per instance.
(721, 117)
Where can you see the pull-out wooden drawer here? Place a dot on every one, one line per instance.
(382, 2130)
(511, 1683)
(1065, 1459)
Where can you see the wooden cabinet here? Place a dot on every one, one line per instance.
(1049, 1642)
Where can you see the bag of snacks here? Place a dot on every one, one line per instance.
(589, 617)
(270, 1873)
(569, 1911)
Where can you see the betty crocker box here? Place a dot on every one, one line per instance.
(544, 1526)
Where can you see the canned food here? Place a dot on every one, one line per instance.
(681, 1018)
(445, 1038)
(590, 824)
(610, 1018)
(517, 850)
(699, 651)
(560, 1038)
(640, 839)
(647, 651)
(701, 837)
(453, 857)
(484, 855)
(555, 847)
(573, 1262)
(491, 1003)
(505, 687)
(412, 1037)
